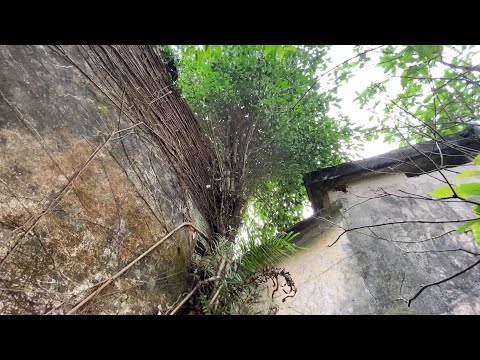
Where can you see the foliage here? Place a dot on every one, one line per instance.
(262, 108)
(466, 191)
(167, 52)
(261, 253)
(242, 284)
(440, 93)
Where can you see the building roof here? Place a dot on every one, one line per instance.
(414, 160)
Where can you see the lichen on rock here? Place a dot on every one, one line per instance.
(52, 120)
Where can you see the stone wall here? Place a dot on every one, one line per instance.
(375, 271)
(53, 121)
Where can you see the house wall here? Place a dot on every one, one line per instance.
(375, 271)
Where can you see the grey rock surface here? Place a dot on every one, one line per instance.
(377, 270)
(52, 118)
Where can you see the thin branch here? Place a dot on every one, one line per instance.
(397, 223)
(442, 281)
(330, 70)
(190, 294)
(465, 68)
(153, 247)
(445, 250)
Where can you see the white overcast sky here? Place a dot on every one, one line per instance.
(364, 77)
(361, 79)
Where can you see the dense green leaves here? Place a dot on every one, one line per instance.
(427, 51)
(267, 251)
(262, 109)
(439, 94)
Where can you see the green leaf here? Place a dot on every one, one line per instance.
(280, 52)
(476, 232)
(427, 99)
(463, 190)
(466, 225)
(404, 82)
(468, 173)
(471, 189)
(427, 51)
(199, 56)
(442, 192)
(268, 49)
(406, 57)
(476, 161)
(476, 210)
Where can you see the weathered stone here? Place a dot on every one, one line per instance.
(376, 271)
(410, 160)
(52, 118)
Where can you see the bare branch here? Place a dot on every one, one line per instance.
(464, 68)
(442, 281)
(397, 223)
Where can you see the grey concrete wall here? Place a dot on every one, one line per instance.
(375, 271)
(51, 120)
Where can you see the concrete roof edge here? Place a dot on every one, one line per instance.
(468, 139)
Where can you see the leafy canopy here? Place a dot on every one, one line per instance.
(439, 93)
(262, 109)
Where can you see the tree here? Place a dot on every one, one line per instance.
(267, 120)
(440, 93)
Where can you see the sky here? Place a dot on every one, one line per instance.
(364, 77)
(360, 80)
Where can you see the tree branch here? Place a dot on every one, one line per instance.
(442, 281)
(465, 68)
(399, 222)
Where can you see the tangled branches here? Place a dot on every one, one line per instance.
(138, 78)
(274, 274)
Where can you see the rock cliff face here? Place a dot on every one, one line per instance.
(77, 203)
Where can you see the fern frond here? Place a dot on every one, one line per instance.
(267, 252)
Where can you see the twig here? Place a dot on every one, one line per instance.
(88, 298)
(328, 71)
(442, 281)
(399, 222)
(190, 294)
(215, 296)
(444, 250)
(219, 273)
(465, 68)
